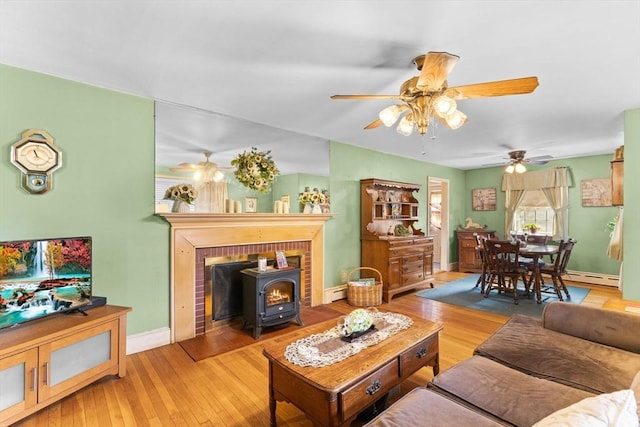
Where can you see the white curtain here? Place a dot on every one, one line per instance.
(614, 250)
(513, 198)
(554, 183)
(211, 196)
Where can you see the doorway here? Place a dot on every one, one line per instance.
(438, 221)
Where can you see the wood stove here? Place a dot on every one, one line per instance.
(270, 297)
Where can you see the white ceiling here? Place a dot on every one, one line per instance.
(276, 63)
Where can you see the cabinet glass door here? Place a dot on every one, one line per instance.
(72, 360)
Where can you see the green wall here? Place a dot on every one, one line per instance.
(104, 189)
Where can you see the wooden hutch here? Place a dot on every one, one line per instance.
(405, 261)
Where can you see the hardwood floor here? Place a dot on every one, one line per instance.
(165, 387)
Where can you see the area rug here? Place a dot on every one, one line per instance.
(233, 336)
(463, 293)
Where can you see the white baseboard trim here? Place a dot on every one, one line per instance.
(334, 294)
(593, 278)
(148, 340)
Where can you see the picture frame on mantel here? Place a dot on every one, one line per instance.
(251, 204)
(483, 199)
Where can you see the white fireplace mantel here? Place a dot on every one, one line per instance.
(190, 231)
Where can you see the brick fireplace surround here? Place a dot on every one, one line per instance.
(195, 236)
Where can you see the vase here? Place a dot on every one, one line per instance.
(316, 209)
(180, 206)
(308, 208)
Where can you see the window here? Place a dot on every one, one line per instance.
(534, 208)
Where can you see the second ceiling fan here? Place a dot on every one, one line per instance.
(428, 96)
(206, 171)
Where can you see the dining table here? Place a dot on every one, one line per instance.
(535, 252)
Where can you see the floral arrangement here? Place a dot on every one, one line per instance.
(255, 169)
(315, 197)
(531, 227)
(359, 320)
(184, 192)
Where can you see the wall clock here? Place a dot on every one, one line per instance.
(37, 157)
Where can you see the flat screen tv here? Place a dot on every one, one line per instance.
(42, 277)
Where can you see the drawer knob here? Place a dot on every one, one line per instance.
(421, 353)
(374, 388)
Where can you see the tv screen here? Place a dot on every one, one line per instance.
(43, 277)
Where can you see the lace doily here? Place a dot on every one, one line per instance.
(326, 348)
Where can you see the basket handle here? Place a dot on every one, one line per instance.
(364, 268)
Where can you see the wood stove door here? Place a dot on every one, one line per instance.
(279, 297)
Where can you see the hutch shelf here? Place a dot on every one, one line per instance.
(405, 261)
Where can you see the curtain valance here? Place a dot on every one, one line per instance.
(548, 178)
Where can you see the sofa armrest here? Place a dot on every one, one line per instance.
(607, 327)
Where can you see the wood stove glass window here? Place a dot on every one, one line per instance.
(279, 292)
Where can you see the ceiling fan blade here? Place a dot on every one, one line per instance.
(539, 160)
(365, 97)
(373, 124)
(435, 68)
(495, 164)
(497, 88)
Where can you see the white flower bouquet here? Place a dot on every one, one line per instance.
(255, 169)
(183, 192)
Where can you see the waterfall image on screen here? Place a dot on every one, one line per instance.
(43, 277)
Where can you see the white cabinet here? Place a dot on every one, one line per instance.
(43, 361)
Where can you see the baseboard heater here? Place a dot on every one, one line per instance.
(592, 278)
(335, 293)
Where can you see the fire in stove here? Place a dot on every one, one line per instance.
(277, 297)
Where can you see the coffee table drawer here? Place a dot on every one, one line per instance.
(366, 391)
(418, 356)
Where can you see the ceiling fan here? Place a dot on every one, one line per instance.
(427, 95)
(203, 172)
(517, 160)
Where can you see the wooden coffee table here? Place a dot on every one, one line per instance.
(334, 395)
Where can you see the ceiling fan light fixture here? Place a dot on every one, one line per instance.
(456, 119)
(509, 169)
(405, 127)
(520, 168)
(444, 106)
(390, 115)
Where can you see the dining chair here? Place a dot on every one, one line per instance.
(504, 268)
(481, 254)
(558, 268)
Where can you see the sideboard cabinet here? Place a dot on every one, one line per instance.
(468, 260)
(405, 260)
(47, 359)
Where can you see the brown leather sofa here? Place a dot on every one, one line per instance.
(529, 369)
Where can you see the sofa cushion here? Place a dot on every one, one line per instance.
(617, 409)
(424, 407)
(595, 324)
(506, 393)
(523, 344)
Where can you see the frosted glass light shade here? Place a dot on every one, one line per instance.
(444, 106)
(509, 169)
(519, 168)
(456, 119)
(389, 115)
(405, 127)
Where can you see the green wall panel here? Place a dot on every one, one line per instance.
(104, 189)
(631, 273)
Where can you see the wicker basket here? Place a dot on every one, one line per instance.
(364, 296)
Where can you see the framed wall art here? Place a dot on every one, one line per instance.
(596, 192)
(483, 199)
(251, 204)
